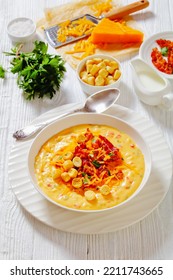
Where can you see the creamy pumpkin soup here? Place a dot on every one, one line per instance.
(89, 167)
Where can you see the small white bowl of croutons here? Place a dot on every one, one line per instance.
(98, 72)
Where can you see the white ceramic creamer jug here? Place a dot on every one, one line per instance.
(150, 86)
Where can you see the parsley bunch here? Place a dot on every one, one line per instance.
(2, 72)
(39, 73)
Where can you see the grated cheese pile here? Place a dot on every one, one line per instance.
(75, 28)
(102, 7)
(84, 46)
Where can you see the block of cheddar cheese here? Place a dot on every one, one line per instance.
(108, 31)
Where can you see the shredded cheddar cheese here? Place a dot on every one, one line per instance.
(103, 7)
(85, 46)
(76, 28)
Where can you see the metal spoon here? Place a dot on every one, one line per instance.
(96, 103)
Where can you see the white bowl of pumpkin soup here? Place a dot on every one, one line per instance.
(89, 162)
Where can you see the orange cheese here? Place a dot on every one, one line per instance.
(102, 7)
(75, 28)
(108, 31)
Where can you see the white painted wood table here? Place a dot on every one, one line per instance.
(24, 237)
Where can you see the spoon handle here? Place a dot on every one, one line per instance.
(30, 130)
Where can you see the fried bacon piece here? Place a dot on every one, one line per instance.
(164, 43)
(170, 58)
(99, 159)
(160, 63)
(111, 150)
(163, 60)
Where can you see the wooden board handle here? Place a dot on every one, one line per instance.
(127, 10)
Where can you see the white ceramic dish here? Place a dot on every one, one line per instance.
(150, 43)
(90, 89)
(135, 210)
(149, 84)
(21, 29)
(88, 118)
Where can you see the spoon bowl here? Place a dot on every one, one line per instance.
(101, 100)
(96, 103)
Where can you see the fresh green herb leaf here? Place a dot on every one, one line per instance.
(85, 181)
(84, 174)
(40, 47)
(39, 73)
(2, 72)
(17, 65)
(164, 51)
(96, 163)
